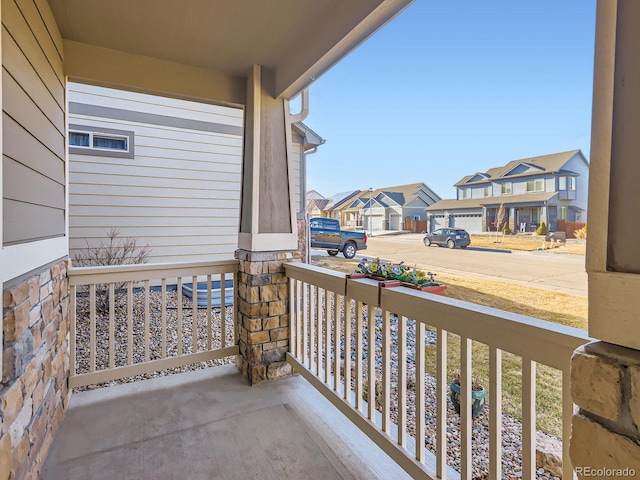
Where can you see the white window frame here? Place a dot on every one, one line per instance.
(93, 132)
(506, 191)
(93, 135)
(534, 211)
(487, 190)
(538, 182)
(562, 212)
(466, 193)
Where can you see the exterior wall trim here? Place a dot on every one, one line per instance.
(24, 257)
(151, 118)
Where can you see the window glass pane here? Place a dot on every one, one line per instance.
(109, 142)
(562, 183)
(572, 183)
(78, 139)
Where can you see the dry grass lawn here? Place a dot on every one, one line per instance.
(548, 305)
(527, 243)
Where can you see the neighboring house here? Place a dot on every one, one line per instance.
(386, 208)
(315, 203)
(533, 190)
(336, 202)
(166, 172)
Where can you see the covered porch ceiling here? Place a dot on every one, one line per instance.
(298, 40)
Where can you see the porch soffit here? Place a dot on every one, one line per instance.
(297, 39)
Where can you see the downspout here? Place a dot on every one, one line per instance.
(303, 202)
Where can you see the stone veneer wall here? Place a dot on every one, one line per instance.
(34, 390)
(605, 384)
(263, 314)
(302, 239)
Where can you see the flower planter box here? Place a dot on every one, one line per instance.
(386, 283)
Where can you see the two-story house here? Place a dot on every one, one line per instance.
(532, 190)
(386, 208)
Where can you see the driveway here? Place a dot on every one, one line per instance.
(565, 273)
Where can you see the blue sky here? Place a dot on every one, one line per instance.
(450, 88)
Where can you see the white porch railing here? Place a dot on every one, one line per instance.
(330, 317)
(134, 319)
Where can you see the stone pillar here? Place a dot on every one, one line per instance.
(263, 314)
(605, 384)
(512, 219)
(34, 388)
(605, 375)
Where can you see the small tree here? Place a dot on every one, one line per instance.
(501, 216)
(114, 251)
(542, 229)
(581, 233)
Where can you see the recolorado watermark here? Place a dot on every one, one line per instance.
(606, 472)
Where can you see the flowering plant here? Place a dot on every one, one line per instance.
(397, 271)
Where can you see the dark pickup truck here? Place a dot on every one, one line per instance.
(326, 233)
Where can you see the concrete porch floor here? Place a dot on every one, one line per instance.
(210, 424)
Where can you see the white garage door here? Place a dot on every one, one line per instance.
(373, 222)
(471, 223)
(394, 221)
(437, 221)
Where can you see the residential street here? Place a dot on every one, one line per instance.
(564, 273)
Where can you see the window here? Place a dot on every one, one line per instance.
(562, 213)
(98, 141)
(466, 193)
(535, 215)
(566, 183)
(506, 188)
(487, 191)
(535, 185)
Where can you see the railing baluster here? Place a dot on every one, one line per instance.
(236, 328)
(358, 339)
(223, 323)
(347, 348)
(420, 391)
(371, 363)
(528, 419)
(293, 316)
(441, 403)
(163, 315)
(336, 343)
(567, 416)
(402, 381)
(129, 323)
(147, 320)
(305, 322)
(386, 372)
(194, 314)
(319, 320)
(74, 328)
(112, 314)
(312, 325)
(179, 307)
(465, 407)
(495, 413)
(301, 314)
(92, 327)
(327, 336)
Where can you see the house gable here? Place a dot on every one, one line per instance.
(478, 177)
(523, 168)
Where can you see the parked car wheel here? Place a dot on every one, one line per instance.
(333, 253)
(349, 250)
(427, 242)
(451, 243)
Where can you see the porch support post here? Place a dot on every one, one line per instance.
(268, 233)
(605, 375)
(512, 219)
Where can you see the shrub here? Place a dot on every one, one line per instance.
(581, 233)
(115, 251)
(506, 229)
(542, 229)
